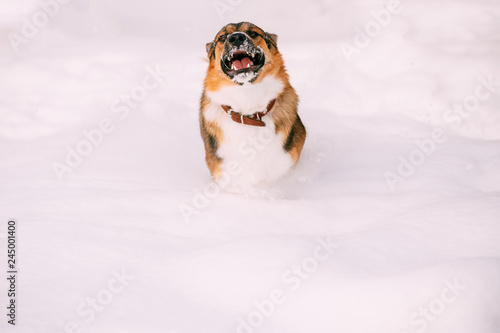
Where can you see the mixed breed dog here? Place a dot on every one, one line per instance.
(248, 114)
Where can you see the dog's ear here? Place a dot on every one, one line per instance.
(271, 40)
(274, 38)
(210, 48)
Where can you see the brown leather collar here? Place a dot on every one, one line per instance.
(253, 120)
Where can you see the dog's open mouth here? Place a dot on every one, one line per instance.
(238, 64)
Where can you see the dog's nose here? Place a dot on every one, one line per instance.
(237, 39)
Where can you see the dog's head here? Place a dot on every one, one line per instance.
(243, 52)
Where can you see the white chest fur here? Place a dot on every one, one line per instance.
(248, 98)
(251, 155)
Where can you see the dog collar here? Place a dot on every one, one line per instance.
(252, 120)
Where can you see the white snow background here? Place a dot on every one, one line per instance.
(418, 254)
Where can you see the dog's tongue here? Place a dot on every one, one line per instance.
(244, 63)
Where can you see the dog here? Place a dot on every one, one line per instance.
(248, 112)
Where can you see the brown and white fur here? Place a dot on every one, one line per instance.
(238, 154)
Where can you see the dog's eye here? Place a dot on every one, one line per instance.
(252, 34)
(222, 38)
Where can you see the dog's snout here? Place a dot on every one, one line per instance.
(237, 39)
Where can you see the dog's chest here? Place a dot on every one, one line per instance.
(250, 154)
(248, 98)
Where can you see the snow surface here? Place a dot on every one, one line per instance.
(422, 256)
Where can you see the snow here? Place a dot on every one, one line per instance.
(420, 256)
